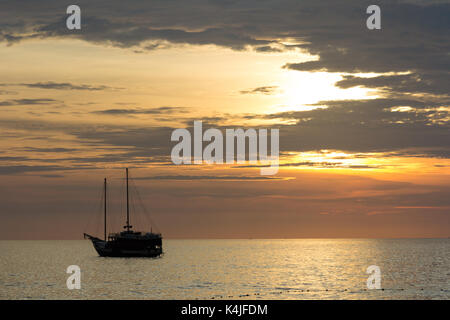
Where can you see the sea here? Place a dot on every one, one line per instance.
(299, 269)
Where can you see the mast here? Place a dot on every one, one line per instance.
(105, 210)
(128, 207)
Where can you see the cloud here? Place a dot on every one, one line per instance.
(227, 23)
(13, 158)
(149, 26)
(351, 125)
(365, 126)
(268, 49)
(219, 178)
(49, 150)
(66, 86)
(414, 38)
(315, 164)
(20, 102)
(268, 90)
(436, 83)
(19, 169)
(153, 111)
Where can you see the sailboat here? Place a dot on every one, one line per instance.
(127, 243)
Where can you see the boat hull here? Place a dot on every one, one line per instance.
(129, 253)
(125, 248)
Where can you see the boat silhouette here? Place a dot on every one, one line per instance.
(127, 243)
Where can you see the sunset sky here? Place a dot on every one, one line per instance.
(363, 116)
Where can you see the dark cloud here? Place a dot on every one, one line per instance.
(145, 142)
(357, 126)
(365, 126)
(66, 86)
(415, 35)
(436, 83)
(19, 169)
(351, 125)
(268, 49)
(49, 150)
(236, 24)
(149, 25)
(395, 47)
(20, 102)
(153, 111)
(263, 90)
(441, 153)
(8, 158)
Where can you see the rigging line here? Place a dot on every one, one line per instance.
(133, 211)
(136, 215)
(143, 215)
(147, 215)
(141, 218)
(118, 215)
(97, 209)
(140, 214)
(99, 216)
(134, 192)
(112, 207)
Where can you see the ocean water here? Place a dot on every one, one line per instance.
(231, 269)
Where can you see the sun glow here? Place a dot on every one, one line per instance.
(299, 91)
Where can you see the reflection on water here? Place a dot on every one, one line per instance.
(231, 269)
